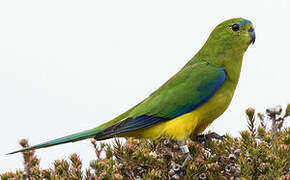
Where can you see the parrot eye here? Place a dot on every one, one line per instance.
(235, 27)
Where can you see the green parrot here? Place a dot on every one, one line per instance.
(189, 101)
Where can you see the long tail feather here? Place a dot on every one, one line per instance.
(70, 138)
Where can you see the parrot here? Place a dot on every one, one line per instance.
(188, 102)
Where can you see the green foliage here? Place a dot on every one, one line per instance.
(250, 156)
(287, 111)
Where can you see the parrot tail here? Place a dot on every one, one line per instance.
(70, 138)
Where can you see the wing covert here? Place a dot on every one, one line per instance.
(181, 94)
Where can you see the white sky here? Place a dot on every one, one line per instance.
(66, 66)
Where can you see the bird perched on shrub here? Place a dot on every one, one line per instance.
(189, 101)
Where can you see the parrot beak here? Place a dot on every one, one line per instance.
(252, 35)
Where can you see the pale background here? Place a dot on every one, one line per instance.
(66, 66)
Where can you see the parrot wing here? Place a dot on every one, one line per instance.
(183, 93)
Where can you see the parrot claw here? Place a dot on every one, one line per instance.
(206, 138)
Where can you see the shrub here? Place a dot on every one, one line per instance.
(261, 152)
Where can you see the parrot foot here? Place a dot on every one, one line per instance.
(206, 138)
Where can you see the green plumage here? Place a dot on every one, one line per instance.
(212, 73)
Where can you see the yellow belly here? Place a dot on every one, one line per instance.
(195, 122)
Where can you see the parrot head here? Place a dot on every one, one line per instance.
(227, 44)
(236, 34)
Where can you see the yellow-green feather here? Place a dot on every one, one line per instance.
(187, 103)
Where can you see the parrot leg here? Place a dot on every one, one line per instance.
(184, 149)
(206, 138)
